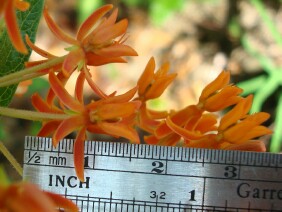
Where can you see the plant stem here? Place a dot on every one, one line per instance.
(31, 115)
(11, 158)
(17, 77)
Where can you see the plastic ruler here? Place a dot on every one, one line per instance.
(121, 177)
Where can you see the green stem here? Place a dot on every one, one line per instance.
(31, 115)
(11, 159)
(268, 22)
(16, 77)
(276, 141)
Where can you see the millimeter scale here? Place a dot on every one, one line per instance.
(122, 177)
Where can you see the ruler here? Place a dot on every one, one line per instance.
(121, 177)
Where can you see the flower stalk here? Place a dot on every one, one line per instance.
(31, 115)
(29, 73)
(11, 158)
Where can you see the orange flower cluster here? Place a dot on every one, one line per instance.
(101, 40)
(121, 115)
(26, 197)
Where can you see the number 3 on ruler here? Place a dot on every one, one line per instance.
(230, 172)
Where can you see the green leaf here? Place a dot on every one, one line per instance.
(11, 60)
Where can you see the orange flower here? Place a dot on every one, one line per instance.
(95, 42)
(113, 116)
(26, 197)
(151, 85)
(219, 94)
(236, 127)
(8, 8)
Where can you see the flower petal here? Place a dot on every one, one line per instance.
(108, 33)
(93, 85)
(117, 110)
(236, 113)
(253, 145)
(146, 77)
(98, 60)
(72, 61)
(42, 106)
(62, 94)
(21, 5)
(38, 50)
(159, 86)
(62, 202)
(12, 27)
(68, 126)
(91, 21)
(56, 30)
(221, 81)
(116, 50)
(119, 129)
(79, 87)
(79, 154)
(186, 134)
(48, 128)
(179, 118)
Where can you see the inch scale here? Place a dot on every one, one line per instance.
(121, 177)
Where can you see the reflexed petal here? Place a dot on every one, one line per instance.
(221, 81)
(236, 113)
(42, 106)
(207, 123)
(170, 140)
(179, 118)
(116, 50)
(62, 202)
(51, 95)
(66, 127)
(186, 134)
(38, 50)
(48, 128)
(207, 141)
(255, 132)
(27, 197)
(119, 129)
(153, 140)
(146, 77)
(63, 95)
(108, 33)
(79, 154)
(71, 62)
(21, 5)
(145, 121)
(91, 21)
(93, 85)
(12, 27)
(157, 114)
(79, 87)
(125, 97)
(57, 31)
(254, 146)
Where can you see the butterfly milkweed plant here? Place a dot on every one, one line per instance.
(101, 40)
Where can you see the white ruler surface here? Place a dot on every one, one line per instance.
(121, 177)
